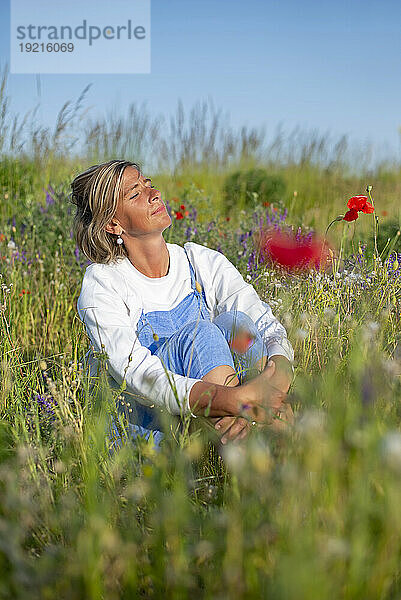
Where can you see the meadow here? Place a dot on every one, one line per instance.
(308, 513)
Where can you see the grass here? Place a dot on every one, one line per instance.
(309, 513)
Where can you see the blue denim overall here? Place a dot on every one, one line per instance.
(190, 344)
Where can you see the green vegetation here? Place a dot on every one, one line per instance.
(250, 188)
(310, 513)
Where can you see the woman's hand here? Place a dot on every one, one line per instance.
(258, 409)
(231, 428)
(283, 373)
(261, 399)
(282, 419)
(237, 428)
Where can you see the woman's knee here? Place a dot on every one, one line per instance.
(206, 342)
(193, 329)
(233, 320)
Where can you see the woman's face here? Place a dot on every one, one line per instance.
(136, 209)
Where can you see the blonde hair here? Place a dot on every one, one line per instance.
(96, 193)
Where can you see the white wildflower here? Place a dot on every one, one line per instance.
(311, 422)
(329, 313)
(373, 326)
(234, 456)
(392, 367)
(337, 547)
(370, 330)
(391, 450)
(301, 334)
(11, 244)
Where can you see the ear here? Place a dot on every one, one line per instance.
(113, 227)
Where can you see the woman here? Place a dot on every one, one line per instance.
(168, 315)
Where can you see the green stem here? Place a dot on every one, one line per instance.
(339, 218)
(375, 220)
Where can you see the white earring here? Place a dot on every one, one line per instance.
(120, 240)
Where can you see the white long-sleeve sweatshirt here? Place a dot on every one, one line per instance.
(111, 301)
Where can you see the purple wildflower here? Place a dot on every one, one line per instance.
(361, 253)
(394, 264)
(251, 261)
(49, 195)
(284, 215)
(21, 256)
(46, 405)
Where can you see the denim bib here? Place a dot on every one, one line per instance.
(156, 327)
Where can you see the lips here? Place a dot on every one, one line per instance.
(160, 209)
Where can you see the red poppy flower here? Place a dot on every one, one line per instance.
(179, 215)
(182, 206)
(241, 341)
(360, 203)
(227, 218)
(293, 252)
(351, 215)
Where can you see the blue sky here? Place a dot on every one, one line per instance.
(334, 66)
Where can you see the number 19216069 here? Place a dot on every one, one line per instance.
(49, 47)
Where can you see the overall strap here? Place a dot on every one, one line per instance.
(194, 284)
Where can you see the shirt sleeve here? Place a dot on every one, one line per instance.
(233, 293)
(108, 323)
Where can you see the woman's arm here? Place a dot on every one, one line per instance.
(111, 329)
(257, 399)
(227, 290)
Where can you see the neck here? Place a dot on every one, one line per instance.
(149, 256)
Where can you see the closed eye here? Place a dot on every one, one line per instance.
(150, 186)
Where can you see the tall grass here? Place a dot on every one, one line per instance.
(312, 512)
